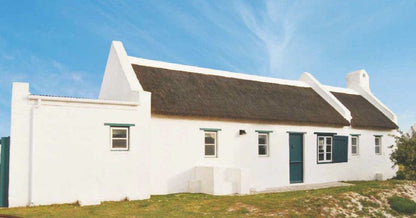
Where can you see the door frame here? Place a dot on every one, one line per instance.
(302, 134)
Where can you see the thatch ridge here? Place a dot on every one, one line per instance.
(199, 95)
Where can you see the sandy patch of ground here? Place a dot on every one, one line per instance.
(357, 204)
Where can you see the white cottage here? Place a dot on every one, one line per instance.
(160, 128)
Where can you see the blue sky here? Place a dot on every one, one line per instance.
(61, 47)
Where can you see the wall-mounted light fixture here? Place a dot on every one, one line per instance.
(242, 132)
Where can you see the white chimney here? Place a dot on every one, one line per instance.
(360, 82)
(358, 79)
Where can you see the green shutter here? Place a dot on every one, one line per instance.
(340, 149)
(4, 172)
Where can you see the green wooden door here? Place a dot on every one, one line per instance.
(4, 172)
(296, 157)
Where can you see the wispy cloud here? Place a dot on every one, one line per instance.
(172, 31)
(275, 26)
(45, 77)
(118, 20)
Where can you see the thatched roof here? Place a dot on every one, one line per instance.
(364, 114)
(181, 93)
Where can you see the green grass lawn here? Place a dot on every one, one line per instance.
(362, 199)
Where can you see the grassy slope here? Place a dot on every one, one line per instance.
(365, 198)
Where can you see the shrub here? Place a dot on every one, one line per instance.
(402, 205)
(404, 155)
(400, 174)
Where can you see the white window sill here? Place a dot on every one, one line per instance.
(263, 155)
(119, 149)
(326, 161)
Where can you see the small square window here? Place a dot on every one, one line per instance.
(210, 144)
(263, 144)
(119, 138)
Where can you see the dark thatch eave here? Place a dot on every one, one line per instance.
(364, 114)
(179, 93)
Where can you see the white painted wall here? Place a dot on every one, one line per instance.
(178, 147)
(60, 146)
(63, 155)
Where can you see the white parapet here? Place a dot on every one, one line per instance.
(119, 82)
(20, 133)
(325, 94)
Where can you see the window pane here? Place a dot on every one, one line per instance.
(119, 133)
(328, 140)
(328, 148)
(210, 150)
(262, 139)
(378, 150)
(209, 138)
(119, 143)
(320, 141)
(354, 149)
(328, 156)
(262, 150)
(321, 148)
(354, 141)
(377, 141)
(321, 156)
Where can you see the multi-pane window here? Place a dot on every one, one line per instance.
(378, 144)
(324, 148)
(119, 138)
(355, 145)
(210, 144)
(263, 144)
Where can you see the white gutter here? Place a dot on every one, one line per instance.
(82, 100)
